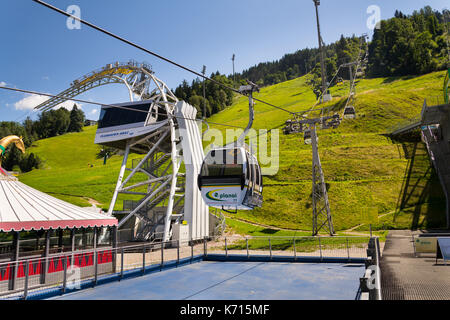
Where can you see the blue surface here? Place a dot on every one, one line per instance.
(444, 245)
(235, 281)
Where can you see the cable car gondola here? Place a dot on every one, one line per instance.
(230, 177)
(349, 112)
(307, 137)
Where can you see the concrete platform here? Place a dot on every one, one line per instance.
(235, 281)
(405, 277)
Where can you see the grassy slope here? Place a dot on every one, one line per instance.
(67, 172)
(363, 169)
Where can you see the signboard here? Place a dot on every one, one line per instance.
(425, 244)
(443, 249)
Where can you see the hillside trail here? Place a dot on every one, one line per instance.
(347, 231)
(92, 202)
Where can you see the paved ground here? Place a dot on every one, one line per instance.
(235, 281)
(405, 277)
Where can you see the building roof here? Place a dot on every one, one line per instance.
(23, 208)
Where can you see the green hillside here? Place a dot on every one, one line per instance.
(364, 170)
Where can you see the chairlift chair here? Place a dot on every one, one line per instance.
(287, 128)
(307, 137)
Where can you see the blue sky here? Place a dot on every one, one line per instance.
(40, 53)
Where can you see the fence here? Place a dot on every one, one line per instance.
(86, 268)
(67, 270)
(370, 283)
(297, 247)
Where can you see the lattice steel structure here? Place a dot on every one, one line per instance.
(321, 214)
(136, 76)
(321, 206)
(155, 193)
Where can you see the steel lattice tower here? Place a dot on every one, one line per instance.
(321, 206)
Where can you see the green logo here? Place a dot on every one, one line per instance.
(216, 196)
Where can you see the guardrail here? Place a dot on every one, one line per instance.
(370, 283)
(345, 248)
(84, 268)
(68, 271)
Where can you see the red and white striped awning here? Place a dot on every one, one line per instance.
(23, 208)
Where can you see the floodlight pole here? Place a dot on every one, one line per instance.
(322, 56)
(234, 75)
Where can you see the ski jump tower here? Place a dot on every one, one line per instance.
(160, 190)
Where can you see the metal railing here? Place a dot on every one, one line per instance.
(72, 270)
(62, 272)
(288, 246)
(370, 283)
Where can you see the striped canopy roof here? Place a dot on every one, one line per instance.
(23, 208)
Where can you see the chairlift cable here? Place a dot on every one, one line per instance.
(151, 52)
(109, 105)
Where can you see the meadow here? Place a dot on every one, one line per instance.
(365, 171)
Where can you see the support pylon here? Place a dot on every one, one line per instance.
(321, 206)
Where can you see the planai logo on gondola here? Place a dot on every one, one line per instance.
(217, 195)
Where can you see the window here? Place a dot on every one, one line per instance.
(111, 117)
(258, 177)
(219, 170)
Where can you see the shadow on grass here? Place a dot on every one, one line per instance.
(421, 193)
(393, 79)
(269, 231)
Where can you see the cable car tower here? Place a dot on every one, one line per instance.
(155, 194)
(321, 206)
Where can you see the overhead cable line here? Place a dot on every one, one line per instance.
(111, 105)
(151, 52)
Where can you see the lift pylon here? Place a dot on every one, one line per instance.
(321, 206)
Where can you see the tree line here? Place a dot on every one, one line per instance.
(216, 97)
(403, 45)
(49, 124)
(410, 44)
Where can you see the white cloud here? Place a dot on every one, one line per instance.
(2, 84)
(30, 102)
(93, 112)
(33, 100)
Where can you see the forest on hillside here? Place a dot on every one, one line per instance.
(412, 44)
